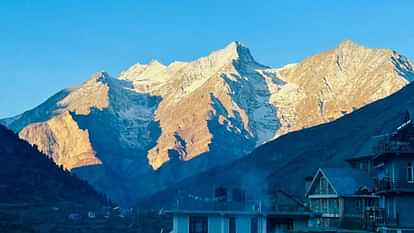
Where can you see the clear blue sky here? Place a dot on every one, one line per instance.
(49, 45)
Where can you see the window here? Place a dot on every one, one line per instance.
(198, 224)
(232, 225)
(324, 205)
(333, 206)
(315, 205)
(410, 172)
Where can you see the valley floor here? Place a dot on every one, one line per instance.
(26, 218)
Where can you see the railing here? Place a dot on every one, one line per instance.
(375, 217)
(392, 221)
(390, 146)
(388, 184)
(324, 211)
(248, 205)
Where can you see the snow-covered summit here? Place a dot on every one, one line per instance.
(155, 115)
(232, 52)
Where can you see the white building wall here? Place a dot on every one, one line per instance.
(215, 224)
(225, 225)
(243, 224)
(181, 224)
(220, 224)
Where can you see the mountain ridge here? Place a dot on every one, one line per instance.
(187, 116)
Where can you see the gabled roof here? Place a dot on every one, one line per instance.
(344, 181)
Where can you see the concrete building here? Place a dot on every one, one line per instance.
(394, 167)
(231, 214)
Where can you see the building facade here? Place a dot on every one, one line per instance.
(340, 197)
(394, 167)
(230, 214)
(385, 197)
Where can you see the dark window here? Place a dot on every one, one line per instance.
(232, 225)
(370, 202)
(198, 224)
(316, 205)
(324, 205)
(254, 225)
(279, 225)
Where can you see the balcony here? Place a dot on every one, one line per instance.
(394, 185)
(257, 206)
(395, 147)
(379, 217)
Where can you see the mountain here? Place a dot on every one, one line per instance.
(37, 196)
(287, 160)
(156, 124)
(29, 177)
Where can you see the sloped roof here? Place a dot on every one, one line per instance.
(293, 198)
(404, 125)
(348, 181)
(368, 149)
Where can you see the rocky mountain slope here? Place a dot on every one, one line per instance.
(156, 124)
(278, 164)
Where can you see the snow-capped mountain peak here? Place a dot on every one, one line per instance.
(234, 51)
(216, 109)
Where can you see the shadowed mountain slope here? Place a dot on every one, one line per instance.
(29, 177)
(284, 162)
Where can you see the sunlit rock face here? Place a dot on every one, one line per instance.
(63, 140)
(328, 85)
(156, 124)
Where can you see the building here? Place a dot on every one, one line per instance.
(394, 165)
(362, 160)
(389, 160)
(230, 211)
(340, 196)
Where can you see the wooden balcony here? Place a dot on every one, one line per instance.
(394, 185)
